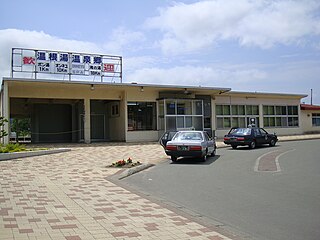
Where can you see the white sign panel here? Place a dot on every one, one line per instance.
(61, 68)
(95, 69)
(66, 63)
(43, 67)
(77, 68)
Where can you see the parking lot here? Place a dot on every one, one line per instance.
(267, 193)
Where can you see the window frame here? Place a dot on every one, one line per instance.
(288, 120)
(315, 119)
(146, 125)
(242, 113)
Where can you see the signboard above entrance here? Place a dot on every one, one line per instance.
(69, 64)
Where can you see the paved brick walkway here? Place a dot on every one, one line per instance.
(67, 196)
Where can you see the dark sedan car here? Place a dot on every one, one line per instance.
(251, 137)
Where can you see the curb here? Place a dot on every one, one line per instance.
(131, 171)
(9, 156)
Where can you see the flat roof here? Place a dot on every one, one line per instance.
(133, 84)
(220, 90)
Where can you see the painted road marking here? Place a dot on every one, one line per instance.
(269, 162)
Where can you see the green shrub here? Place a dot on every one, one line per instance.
(12, 147)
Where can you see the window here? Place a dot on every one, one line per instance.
(171, 108)
(316, 119)
(226, 110)
(115, 110)
(197, 107)
(256, 132)
(187, 136)
(236, 115)
(141, 116)
(281, 110)
(292, 110)
(280, 116)
(241, 110)
(184, 107)
(242, 131)
(223, 109)
(183, 114)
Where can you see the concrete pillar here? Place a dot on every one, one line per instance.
(124, 107)
(74, 119)
(261, 116)
(6, 111)
(87, 118)
(213, 114)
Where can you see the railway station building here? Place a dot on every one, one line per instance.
(86, 104)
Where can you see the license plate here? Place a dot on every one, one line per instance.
(183, 148)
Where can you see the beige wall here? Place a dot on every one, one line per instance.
(117, 125)
(63, 91)
(148, 95)
(306, 119)
(142, 136)
(256, 100)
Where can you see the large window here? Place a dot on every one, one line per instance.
(280, 116)
(175, 114)
(316, 119)
(142, 116)
(236, 115)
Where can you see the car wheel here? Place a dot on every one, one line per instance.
(214, 151)
(204, 157)
(174, 158)
(252, 145)
(272, 143)
(234, 146)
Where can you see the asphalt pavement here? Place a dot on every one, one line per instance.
(230, 191)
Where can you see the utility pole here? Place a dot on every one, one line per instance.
(311, 96)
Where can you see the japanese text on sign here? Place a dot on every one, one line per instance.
(66, 63)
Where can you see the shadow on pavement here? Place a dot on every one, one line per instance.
(196, 161)
(246, 148)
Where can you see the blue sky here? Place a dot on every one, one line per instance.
(261, 45)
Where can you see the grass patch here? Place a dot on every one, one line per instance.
(16, 147)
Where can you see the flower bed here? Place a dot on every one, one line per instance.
(125, 163)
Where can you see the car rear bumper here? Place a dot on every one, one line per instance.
(237, 143)
(185, 153)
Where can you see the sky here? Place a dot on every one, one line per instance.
(246, 45)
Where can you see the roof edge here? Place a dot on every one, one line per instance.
(119, 84)
(309, 107)
(269, 94)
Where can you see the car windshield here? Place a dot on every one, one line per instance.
(241, 131)
(187, 136)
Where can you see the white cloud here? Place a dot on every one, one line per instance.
(224, 76)
(190, 27)
(295, 77)
(122, 40)
(14, 38)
